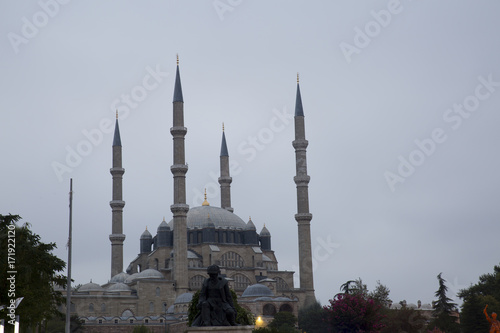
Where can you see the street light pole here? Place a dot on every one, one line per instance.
(68, 286)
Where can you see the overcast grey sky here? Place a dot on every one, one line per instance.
(401, 100)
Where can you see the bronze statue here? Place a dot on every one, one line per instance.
(215, 303)
(495, 324)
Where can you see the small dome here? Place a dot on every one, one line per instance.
(256, 290)
(163, 226)
(411, 306)
(192, 255)
(131, 278)
(149, 274)
(146, 234)
(265, 232)
(250, 225)
(426, 306)
(184, 298)
(120, 277)
(119, 287)
(91, 287)
(170, 309)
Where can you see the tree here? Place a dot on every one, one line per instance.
(381, 295)
(141, 329)
(312, 319)
(443, 309)
(283, 321)
(37, 272)
(403, 320)
(349, 313)
(475, 298)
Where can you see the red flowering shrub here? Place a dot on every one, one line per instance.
(353, 313)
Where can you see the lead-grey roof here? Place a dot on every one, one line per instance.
(221, 218)
(256, 290)
(223, 147)
(298, 103)
(184, 298)
(178, 88)
(120, 277)
(116, 139)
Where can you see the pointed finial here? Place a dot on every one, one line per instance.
(163, 218)
(205, 202)
(146, 227)
(297, 77)
(117, 114)
(250, 218)
(222, 126)
(177, 59)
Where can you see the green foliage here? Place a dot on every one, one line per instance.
(58, 324)
(243, 316)
(141, 329)
(381, 295)
(283, 320)
(486, 291)
(443, 309)
(312, 319)
(38, 272)
(403, 320)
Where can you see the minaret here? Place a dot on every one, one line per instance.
(225, 179)
(179, 207)
(303, 217)
(117, 237)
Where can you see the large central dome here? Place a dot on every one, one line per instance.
(202, 216)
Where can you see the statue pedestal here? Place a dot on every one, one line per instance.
(215, 329)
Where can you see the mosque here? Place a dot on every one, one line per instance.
(158, 284)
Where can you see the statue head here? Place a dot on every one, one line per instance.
(213, 271)
(494, 316)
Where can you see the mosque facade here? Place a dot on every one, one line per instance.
(158, 284)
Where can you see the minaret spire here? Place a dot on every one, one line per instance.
(225, 179)
(117, 237)
(303, 216)
(179, 208)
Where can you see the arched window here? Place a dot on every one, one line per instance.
(196, 282)
(281, 284)
(231, 259)
(91, 307)
(241, 282)
(286, 307)
(103, 307)
(157, 265)
(157, 291)
(138, 268)
(269, 310)
(151, 307)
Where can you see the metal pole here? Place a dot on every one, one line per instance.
(68, 287)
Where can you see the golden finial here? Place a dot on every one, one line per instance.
(177, 59)
(264, 225)
(163, 218)
(297, 77)
(205, 203)
(222, 126)
(117, 114)
(250, 218)
(146, 228)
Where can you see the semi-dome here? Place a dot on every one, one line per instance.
(91, 286)
(257, 290)
(149, 274)
(221, 218)
(120, 277)
(119, 287)
(183, 298)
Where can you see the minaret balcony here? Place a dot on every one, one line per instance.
(303, 218)
(300, 143)
(225, 180)
(301, 180)
(117, 238)
(177, 131)
(117, 171)
(117, 204)
(179, 169)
